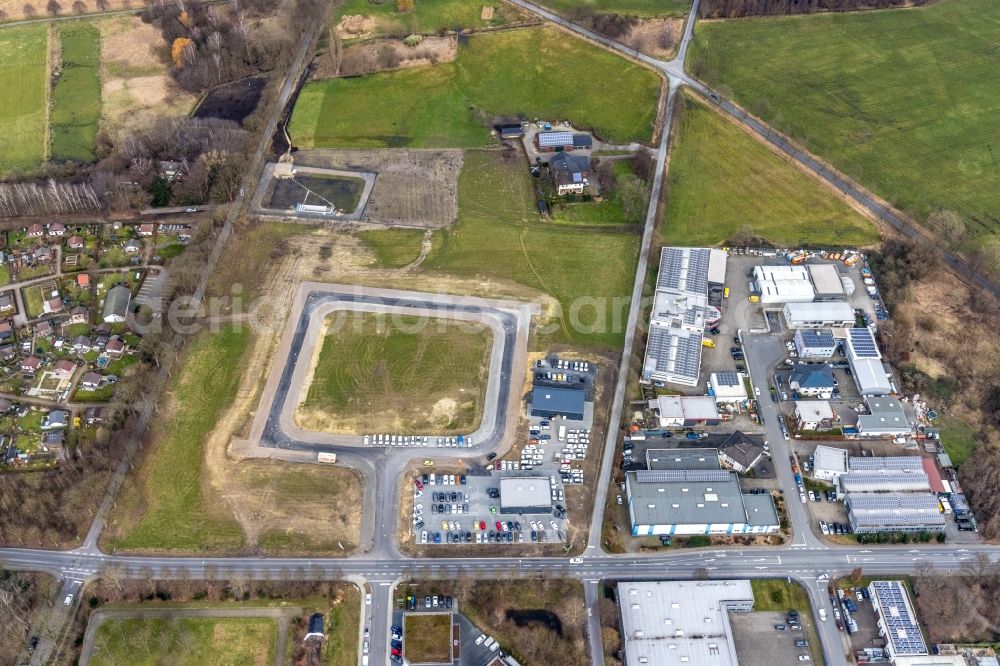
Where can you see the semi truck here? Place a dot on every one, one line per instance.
(562, 433)
(324, 457)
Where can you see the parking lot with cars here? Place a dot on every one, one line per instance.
(769, 638)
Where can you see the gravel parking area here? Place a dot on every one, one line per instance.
(759, 644)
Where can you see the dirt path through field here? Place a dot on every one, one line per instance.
(425, 249)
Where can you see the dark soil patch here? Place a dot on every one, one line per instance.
(233, 101)
(524, 618)
(344, 193)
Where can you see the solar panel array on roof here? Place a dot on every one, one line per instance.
(882, 502)
(684, 268)
(728, 379)
(863, 344)
(901, 627)
(555, 139)
(671, 475)
(871, 463)
(883, 481)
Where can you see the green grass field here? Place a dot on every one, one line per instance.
(194, 641)
(722, 180)
(588, 270)
(427, 374)
(427, 16)
(428, 638)
(540, 72)
(640, 8)
(957, 438)
(906, 101)
(164, 506)
(393, 248)
(24, 77)
(76, 97)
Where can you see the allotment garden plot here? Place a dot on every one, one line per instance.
(374, 372)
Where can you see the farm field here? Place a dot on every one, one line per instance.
(76, 95)
(22, 142)
(185, 640)
(904, 101)
(587, 270)
(640, 8)
(724, 183)
(494, 75)
(427, 16)
(398, 372)
(171, 505)
(393, 248)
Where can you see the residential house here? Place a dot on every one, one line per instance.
(5, 405)
(93, 415)
(132, 246)
(571, 173)
(82, 344)
(36, 231)
(6, 303)
(79, 315)
(53, 439)
(6, 332)
(147, 229)
(115, 348)
(7, 352)
(812, 380)
(75, 243)
(55, 420)
(31, 364)
(116, 304)
(91, 381)
(63, 369)
(170, 170)
(52, 305)
(57, 229)
(83, 280)
(740, 452)
(43, 329)
(42, 254)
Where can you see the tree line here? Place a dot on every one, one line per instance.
(714, 9)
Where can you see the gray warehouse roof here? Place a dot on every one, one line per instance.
(682, 459)
(885, 511)
(685, 502)
(826, 279)
(525, 492)
(675, 623)
(901, 463)
(558, 400)
(854, 482)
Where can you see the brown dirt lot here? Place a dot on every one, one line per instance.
(656, 37)
(414, 187)
(136, 86)
(428, 637)
(364, 58)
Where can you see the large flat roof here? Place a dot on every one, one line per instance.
(686, 502)
(694, 459)
(672, 354)
(890, 510)
(681, 623)
(831, 311)
(525, 492)
(830, 459)
(870, 376)
(826, 279)
(895, 614)
(854, 482)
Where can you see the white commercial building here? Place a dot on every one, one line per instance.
(681, 623)
(815, 343)
(831, 314)
(897, 622)
(826, 282)
(728, 387)
(829, 463)
(865, 359)
(677, 322)
(886, 418)
(814, 414)
(676, 411)
(783, 284)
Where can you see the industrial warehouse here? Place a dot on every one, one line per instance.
(681, 311)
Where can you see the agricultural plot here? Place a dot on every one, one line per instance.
(640, 8)
(361, 19)
(76, 94)
(495, 75)
(904, 101)
(416, 373)
(185, 640)
(586, 270)
(725, 184)
(23, 115)
(393, 248)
